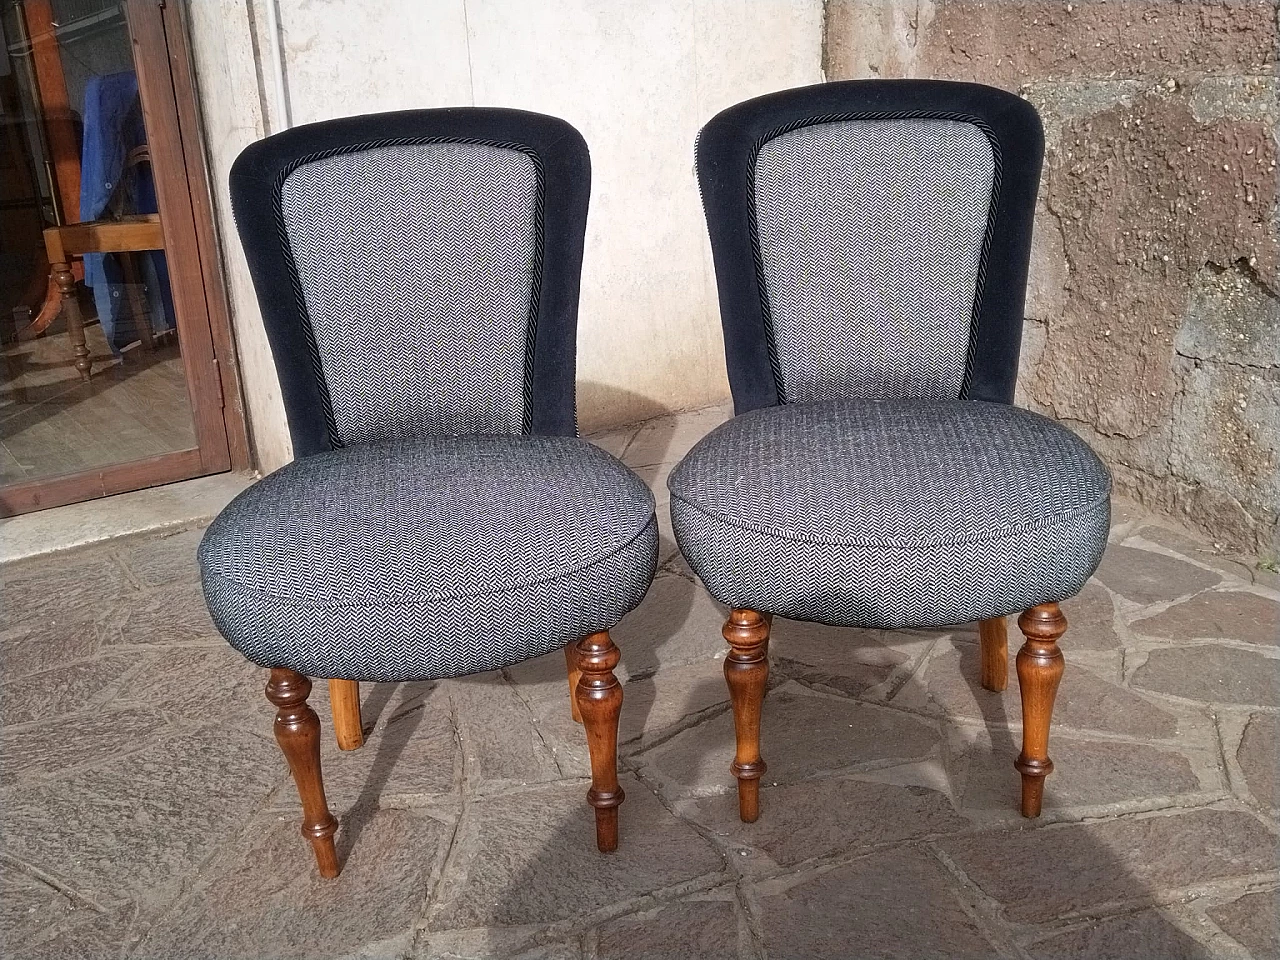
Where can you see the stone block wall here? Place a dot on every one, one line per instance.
(1153, 319)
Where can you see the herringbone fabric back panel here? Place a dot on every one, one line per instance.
(870, 240)
(417, 268)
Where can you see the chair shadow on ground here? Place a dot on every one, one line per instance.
(388, 743)
(551, 889)
(819, 924)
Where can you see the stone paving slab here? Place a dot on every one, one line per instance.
(1147, 933)
(1253, 921)
(1087, 700)
(863, 909)
(804, 735)
(146, 812)
(170, 616)
(1212, 672)
(32, 646)
(267, 882)
(708, 929)
(1145, 577)
(1259, 759)
(1098, 776)
(530, 857)
(63, 689)
(1064, 870)
(137, 829)
(48, 750)
(830, 818)
(1244, 615)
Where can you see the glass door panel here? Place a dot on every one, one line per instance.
(106, 368)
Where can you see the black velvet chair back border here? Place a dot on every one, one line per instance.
(727, 149)
(564, 173)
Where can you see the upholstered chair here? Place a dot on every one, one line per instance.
(418, 275)
(871, 242)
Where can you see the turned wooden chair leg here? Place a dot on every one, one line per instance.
(344, 702)
(993, 637)
(599, 698)
(1040, 667)
(571, 662)
(298, 733)
(746, 670)
(138, 306)
(66, 281)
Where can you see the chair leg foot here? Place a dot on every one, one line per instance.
(571, 664)
(1040, 667)
(298, 733)
(746, 670)
(993, 640)
(599, 698)
(344, 698)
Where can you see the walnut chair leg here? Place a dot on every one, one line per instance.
(344, 701)
(599, 699)
(1040, 667)
(746, 670)
(571, 663)
(66, 281)
(993, 639)
(298, 733)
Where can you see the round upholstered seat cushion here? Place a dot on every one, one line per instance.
(429, 558)
(891, 514)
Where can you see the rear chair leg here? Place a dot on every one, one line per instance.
(1040, 667)
(599, 699)
(993, 639)
(298, 733)
(344, 698)
(746, 670)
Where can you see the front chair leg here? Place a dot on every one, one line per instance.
(298, 733)
(1040, 667)
(993, 641)
(746, 670)
(344, 702)
(599, 699)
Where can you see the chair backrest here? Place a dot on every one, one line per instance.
(871, 239)
(418, 272)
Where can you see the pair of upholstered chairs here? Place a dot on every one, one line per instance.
(418, 274)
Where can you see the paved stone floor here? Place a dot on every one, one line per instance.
(146, 811)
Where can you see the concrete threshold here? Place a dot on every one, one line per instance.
(174, 505)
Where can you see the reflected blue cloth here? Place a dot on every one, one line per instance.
(112, 127)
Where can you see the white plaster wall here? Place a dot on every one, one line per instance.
(638, 78)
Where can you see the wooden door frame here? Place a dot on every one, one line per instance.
(166, 85)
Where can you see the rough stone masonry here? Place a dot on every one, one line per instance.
(1153, 317)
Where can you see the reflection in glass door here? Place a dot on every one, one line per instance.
(106, 351)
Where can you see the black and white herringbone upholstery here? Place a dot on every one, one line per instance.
(871, 235)
(418, 275)
(871, 242)
(904, 513)
(417, 265)
(430, 558)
